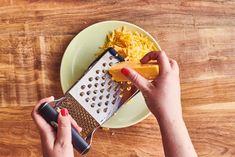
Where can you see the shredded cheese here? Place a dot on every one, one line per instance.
(129, 44)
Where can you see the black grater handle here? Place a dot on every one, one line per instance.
(51, 115)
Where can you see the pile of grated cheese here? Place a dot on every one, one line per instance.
(129, 44)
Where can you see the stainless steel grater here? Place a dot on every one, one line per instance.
(93, 99)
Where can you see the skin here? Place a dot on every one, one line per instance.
(55, 144)
(162, 97)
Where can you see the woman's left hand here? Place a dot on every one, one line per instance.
(55, 144)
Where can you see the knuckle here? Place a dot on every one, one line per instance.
(166, 73)
(134, 78)
(146, 91)
(63, 143)
(161, 53)
(64, 124)
(33, 113)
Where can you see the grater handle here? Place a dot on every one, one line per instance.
(51, 115)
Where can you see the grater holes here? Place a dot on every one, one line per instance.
(94, 98)
(107, 96)
(82, 93)
(128, 88)
(115, 88)
(109, 77)
(102, 84)
(104, 64)
(98, 111)
(103, 71)
(97, 78)
(128, 82)
(83, 86)
(105, 109)
(96, 84)
(97, 71)
(90, 79)
(88, 92)
(111, 63)
(113, 102)
(106, 103)
(110, 82)
(111, 58)
(103, 77)
(109, 89)
(87, 99)
(99, 104)
(95, 91)
(93, 105)
(89, 85)
(101, 97)
(102, 90)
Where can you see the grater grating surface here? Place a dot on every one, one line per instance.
(95, 97)
(96, 91)
(79, 114)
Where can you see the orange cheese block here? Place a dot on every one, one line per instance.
(149, 71)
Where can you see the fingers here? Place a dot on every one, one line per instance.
(64, 136)
(46, 131)
(139, 81)
(40, 122)
(161, 57)
(174, 65)
(75, 125)
(35, 109)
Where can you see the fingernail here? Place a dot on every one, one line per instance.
(64, 112)
(125, 71)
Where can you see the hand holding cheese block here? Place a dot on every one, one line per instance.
(149, 70)
(162, 96)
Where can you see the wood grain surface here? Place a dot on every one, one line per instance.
(200, 35)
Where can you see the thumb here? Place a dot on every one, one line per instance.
(64, 136)
(139, 81)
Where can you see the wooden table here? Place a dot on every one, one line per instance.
(200, 35)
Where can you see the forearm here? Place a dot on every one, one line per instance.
(175, 137)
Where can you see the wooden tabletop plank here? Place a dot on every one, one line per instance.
(212, 134)
(200, 35)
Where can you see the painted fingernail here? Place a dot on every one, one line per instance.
(125, 71)
(64, 112)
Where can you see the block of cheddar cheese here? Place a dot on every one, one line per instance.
(149, 71)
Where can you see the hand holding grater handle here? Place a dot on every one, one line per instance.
(51, 115)
(94, 98)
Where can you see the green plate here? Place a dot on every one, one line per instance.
(81, 53)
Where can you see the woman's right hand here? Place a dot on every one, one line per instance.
(162, 95)
(163, 99)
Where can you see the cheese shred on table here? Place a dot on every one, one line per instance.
(129, 44)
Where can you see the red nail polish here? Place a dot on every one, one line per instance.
(64, 112)
(125, 71)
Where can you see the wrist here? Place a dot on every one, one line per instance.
(169, 117)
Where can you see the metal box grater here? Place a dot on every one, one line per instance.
(94, 98)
